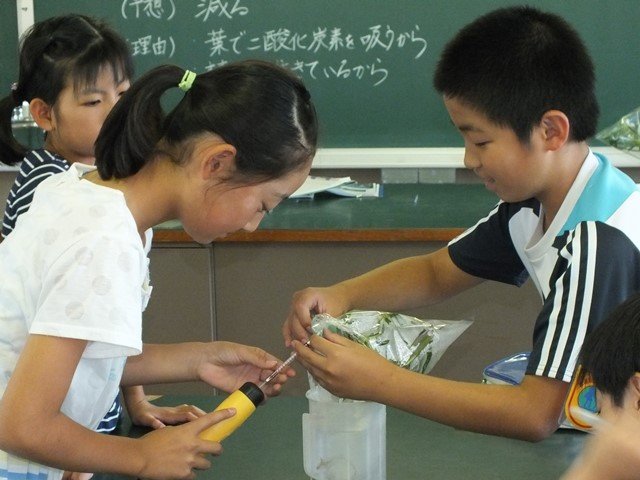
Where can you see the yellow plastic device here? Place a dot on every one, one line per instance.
(244, 400)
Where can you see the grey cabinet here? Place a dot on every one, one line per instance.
(181, 305)
(254, 283)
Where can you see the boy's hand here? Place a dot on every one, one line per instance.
(343, 367)
(175, 452)
(317, 300)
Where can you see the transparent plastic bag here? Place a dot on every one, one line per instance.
(409, 342)
(624, 134)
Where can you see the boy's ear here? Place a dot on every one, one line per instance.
(555, 129)
(42, 114)
(219, 161)
(634, 384)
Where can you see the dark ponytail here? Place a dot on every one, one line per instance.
(261, 109)
(52, 53)
(133, 128)
(11, 151)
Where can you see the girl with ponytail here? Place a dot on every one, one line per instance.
(241, 138)
(72, 71)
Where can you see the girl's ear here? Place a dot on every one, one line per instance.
(555, 129)
(219, 161)
(42, 114)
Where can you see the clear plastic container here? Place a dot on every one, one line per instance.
(344, 439)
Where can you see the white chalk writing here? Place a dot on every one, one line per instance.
(149, 8)
(377, 38)
(316, 53)
(157, 47)
(319, 39)
(219, 8)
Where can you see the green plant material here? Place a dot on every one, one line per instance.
(421, 344)
(624, 134)
(407, 341)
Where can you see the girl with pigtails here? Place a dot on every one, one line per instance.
(72, 70)
(75, 268)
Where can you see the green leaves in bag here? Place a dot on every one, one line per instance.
(408, 342)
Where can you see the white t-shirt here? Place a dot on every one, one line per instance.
(74, 267)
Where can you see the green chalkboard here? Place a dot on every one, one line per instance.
(8, 46)
(368, 63)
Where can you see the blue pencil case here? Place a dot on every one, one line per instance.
(507, 371)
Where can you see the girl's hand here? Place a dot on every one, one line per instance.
(317, 300)
(175, 452)
(76, 476)
(142, 412)
(345, 368)
(227, 365)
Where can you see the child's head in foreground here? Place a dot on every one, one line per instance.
(66, 65)
(514, 64)
(611, 356)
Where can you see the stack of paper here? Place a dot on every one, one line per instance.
(343, 186)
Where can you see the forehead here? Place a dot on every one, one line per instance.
(468, 120)
(466, 117)
(285, 185)
(282, 187)
(98, 78)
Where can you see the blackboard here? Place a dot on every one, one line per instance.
(8, 46)
(368, 63)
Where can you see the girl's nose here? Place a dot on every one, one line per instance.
(253, 224)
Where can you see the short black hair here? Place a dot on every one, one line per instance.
(514, 64)
(611, 352)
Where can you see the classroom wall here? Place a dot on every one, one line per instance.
(6, 181)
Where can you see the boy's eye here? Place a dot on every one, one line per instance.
(481, 144)
(92, 103)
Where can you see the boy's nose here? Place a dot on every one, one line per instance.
(470, 161)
